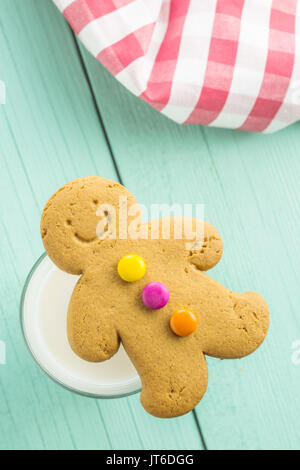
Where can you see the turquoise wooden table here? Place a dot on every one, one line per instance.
(65, 117)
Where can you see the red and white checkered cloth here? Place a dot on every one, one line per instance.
(225, 63)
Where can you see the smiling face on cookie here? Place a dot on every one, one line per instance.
(76, 217)
(151, 294)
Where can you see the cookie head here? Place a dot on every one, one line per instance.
(80, 216)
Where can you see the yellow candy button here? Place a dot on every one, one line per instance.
(131, 268)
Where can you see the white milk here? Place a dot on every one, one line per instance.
(44, 318)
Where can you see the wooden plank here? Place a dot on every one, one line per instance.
(148, 432)
(50, 134)
(250, 187)
(47, 137)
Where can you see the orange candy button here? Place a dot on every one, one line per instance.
(183, 322)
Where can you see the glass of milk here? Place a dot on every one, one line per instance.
(44, 307)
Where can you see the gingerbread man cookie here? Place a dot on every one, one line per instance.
(148, 291)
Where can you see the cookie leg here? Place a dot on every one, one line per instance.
(174, 387)
(240, 330)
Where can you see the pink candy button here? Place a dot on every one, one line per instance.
(155, 295)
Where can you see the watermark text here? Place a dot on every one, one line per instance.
(167, 222)
(296, 352)
(2, 92)
(2, 353)
(295, 92)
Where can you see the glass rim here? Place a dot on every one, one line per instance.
(33, 355)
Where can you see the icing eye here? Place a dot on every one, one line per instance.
(155, 295)
(183, 322)
(131, 268)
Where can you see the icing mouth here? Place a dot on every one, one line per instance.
(85, 240)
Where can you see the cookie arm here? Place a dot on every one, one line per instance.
(210, 252)
(201, 242)
(91, 331)
(239, 330)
